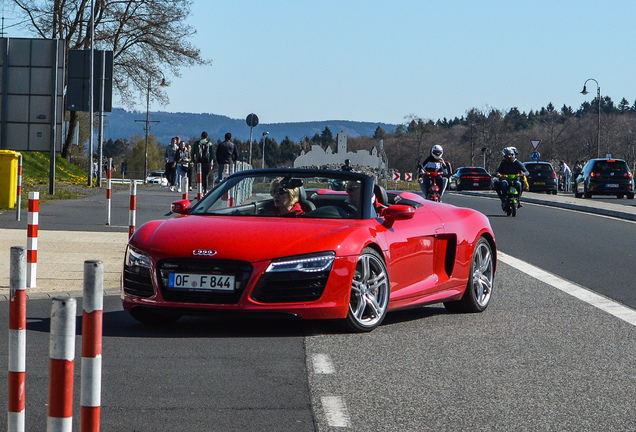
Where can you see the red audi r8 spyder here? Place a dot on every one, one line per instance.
(317, 244)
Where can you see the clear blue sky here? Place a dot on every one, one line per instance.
(379, 61)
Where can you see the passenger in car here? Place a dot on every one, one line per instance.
(285, 199)
(353, 198)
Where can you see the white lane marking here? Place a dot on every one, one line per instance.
(335, 411)
(603, 303)
(322, 364)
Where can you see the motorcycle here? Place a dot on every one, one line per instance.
(511, 202)
(433, 192)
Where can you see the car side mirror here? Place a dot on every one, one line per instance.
(180, 207)
(397, 212)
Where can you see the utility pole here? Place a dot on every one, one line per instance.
(147, 121)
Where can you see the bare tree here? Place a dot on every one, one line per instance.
(146, 37)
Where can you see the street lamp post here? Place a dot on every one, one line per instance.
(598, 97)
(264, 135)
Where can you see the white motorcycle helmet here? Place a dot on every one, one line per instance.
(437, 151)
(508, 151)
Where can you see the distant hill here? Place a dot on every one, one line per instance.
(123, 124)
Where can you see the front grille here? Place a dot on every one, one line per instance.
(137, 282)
(240, 269)
(290, 287)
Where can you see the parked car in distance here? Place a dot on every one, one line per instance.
(542, 177)
(157, 177)
(605, 177)
(471, 178)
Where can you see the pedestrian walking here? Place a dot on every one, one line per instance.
(226, 154)
(201, 152)
(171, 163)
(183, 162)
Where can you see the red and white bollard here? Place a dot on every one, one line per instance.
(109, 187)
(17, 339)
(92, 319)
(184, 188)
(32, 238)
(132, 214)
(61, 365)
(18, 203)
(200, 183)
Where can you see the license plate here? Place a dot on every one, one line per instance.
(201, 282)
(476, 184)
(612, 185)
(539, 183)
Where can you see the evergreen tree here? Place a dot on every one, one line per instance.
(380, 133)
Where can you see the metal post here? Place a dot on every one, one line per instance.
(92, 320)
(102, 78)
(18, 203)
(91, 97)
(17, 339)
(147, 122)
(61, 364)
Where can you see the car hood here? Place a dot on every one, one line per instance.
(246, 238)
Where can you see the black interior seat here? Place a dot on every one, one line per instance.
(380, 195)
(306, 205)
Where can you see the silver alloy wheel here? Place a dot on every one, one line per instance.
(483, 273)
(369, 291)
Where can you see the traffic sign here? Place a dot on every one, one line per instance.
(535, 143)
(396, 176)
(252, 120)
(535, 156)
(408, 177)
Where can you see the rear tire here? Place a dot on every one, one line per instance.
(480, 282)
(370, 292)
(630, 196)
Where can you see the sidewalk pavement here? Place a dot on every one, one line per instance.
(61, 254)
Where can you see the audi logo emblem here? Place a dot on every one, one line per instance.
(203, 252)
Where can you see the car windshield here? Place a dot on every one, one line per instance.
(611, 166)
(539, 168)
(295, 193)
(473, 171)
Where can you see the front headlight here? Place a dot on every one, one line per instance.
(303, 263)
(136, 258)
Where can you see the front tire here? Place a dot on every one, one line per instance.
(480, 283)
(370, 292)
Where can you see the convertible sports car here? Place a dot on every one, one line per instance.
(282, 240)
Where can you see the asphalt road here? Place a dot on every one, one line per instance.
(536, 359)
(593, 251)
(91, 214)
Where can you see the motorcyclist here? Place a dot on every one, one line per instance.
(434, 162)
(509, 165)
(347, 166)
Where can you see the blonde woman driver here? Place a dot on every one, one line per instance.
(285, 199)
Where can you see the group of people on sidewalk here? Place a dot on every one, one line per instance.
(182, 160)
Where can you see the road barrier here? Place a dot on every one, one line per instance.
(109, 187)
(18, 197)
(32, 238)
(132, 215)
(200, 183)
(184, 188)
(17, 340)
(92, 320)
(61, 365)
